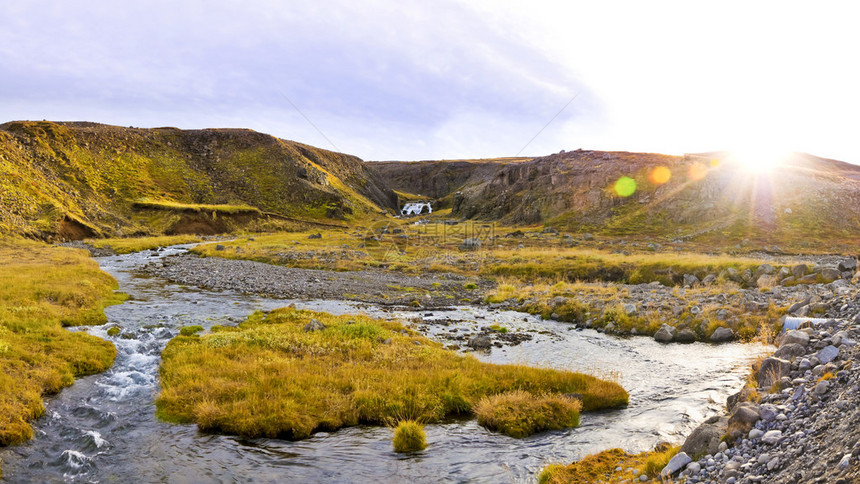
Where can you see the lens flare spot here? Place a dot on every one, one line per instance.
(660, 175)
(625, 186)
(698, 171)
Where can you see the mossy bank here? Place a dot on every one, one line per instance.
(291, 373)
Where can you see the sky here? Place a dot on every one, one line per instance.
(412, 80)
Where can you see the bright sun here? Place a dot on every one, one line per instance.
(759, 159)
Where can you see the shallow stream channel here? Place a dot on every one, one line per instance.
(103, 428)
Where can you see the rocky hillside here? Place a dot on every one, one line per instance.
(621, 193)
(73, 180)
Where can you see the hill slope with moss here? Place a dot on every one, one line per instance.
(75, 180)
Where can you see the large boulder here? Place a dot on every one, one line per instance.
(829, 274)
(794, 337)
(772, 370)
(665, 334)
(314, 325)
(847, 265)
(789, 351)
(721, 335)
(764, 269)
(799, 270)
(685, 336)
(704, 440)
(691, 280)
(480, 342)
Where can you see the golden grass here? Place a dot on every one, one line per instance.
(434, 248)
(600, 304)
(271, 378)
(409, 436)
(601, 467)
(137, 244)
(195, 207)
(42, 289)
(519, 413)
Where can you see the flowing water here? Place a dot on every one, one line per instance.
(103, 428)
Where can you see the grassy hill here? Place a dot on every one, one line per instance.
(75, 180)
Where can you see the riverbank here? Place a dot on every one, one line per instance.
(44, 289)
(794, 421)
(804, 426)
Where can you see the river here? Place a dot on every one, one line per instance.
(103, 428)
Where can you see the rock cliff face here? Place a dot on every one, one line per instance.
(683, 196)
(439, 179)
(90, 177)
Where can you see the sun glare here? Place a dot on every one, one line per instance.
(758, 160)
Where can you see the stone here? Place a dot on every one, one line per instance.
(794, 337)
(847, 265)
(799, 270)
(796, 306)
(837, 338)
(756, 434)
(829, 274)
(771, 437)
(821, 387)
(827, 354)
(630, 309)
(704, 440)
(772, 370)
(219, 247)
(480, 342)
(470, 244)
(804, 364)
(768, 412)
(694, 468)
(845, 462)
(783, 273)
(764, 269)
(789, 351)
(709, 279)
(665, 334)
(678, 462)
(744, 416)
(314, 325)
(685, 336)
(691, 280)
(721, 335)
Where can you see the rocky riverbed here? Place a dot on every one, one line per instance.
(377, 287)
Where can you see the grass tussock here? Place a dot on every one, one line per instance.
(519, 413)
(137, 244)
(409, 436)
(603, 467)
(42, 289)
(270, 378)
